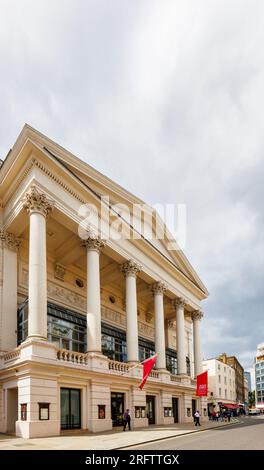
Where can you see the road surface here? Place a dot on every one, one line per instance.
(246, 435)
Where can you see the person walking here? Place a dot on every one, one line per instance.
(126, 420)
(197, 418)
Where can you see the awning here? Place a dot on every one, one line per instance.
(229, 405)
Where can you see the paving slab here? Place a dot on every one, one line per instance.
(109, 440)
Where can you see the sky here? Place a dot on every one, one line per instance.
(167, 99)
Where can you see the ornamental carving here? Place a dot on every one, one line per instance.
(9, 240)
(66, 296)
(113, 316)
(59, 272)
(94, 243)
(35, 201)
(180, 302)
(130, 268)
(159, 288)
(197, 315)
(149, 317)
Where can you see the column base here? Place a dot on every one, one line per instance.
(99, 425)
(37, 348)
(97, 361)
(29, 429)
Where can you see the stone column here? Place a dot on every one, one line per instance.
(38, 206)
(94, 245)
(158, 290)
(180, 336)
(130, 270)
(197, 316)
(9, 245)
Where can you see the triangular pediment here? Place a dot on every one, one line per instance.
(101, 186)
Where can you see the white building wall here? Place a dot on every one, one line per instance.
(221, 380)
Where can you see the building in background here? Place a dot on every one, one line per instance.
(253, 378)
(239, 375)
(259, 372)
(221, 385)
(247, 376)
(246, 390)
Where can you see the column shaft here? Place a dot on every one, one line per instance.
(93, 302)
(158, 290)
(37, 286)
(38, 206)
(94, 245)
(130, 270)
(180, 337)
(197, 342)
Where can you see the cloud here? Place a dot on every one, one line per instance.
(172, 90)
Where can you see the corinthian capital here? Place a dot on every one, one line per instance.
(130, 268)
(94, 243)
(35, 201)
(9, 240)
(197, 315)
(180, 302)
(159, 287)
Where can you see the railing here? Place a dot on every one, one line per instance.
(71, 356)
(118, 366)
(154, 374)
(12, 355)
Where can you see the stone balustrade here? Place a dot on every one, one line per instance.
(72, 356)
(12, 355)
(154, 374)
(115, 366)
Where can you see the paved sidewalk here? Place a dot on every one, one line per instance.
(115, 439)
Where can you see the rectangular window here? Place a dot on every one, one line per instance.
(220, 392)
(101, 411)
(219, 378)
(44, 411)
(23, 411)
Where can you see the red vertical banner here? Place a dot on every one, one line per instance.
(202, 385)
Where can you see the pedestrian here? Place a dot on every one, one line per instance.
(197, 418)
(126, 420)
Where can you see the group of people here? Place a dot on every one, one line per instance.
(220, 415)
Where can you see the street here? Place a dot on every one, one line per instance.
(246, 435)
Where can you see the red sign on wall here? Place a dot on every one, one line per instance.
(202, 385)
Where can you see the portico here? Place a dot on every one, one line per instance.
(86, 301)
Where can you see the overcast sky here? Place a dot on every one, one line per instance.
(165, 97)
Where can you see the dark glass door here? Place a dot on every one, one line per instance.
(175, 409)
(70, 408)
(150, 402)
(193, 407)
(117, 408)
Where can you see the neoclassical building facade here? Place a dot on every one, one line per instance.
(80, 311)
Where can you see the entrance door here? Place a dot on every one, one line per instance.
(150, 406)
(117, 408)
(12, 410)
(175, 402)
(194, 409)
(70, 408)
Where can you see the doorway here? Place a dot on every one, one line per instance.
(12, 410)
(117, 408)
(70, 405)
(194, 407)
(175, 404)
(150, 407)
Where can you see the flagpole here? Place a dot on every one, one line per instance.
(135, 365)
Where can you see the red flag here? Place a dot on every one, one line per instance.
(202, 385)
(147, 368)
